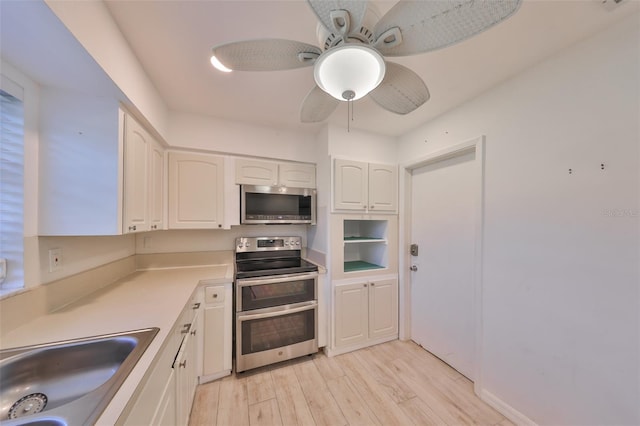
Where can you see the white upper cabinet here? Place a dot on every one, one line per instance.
(383, 188)
(95, 168)
(252, 172)
(156, 188)
(292, 175)
(365, 187)
(143, 179)
(136, 176)
(296, 175)
(196, 191)
(350, 185)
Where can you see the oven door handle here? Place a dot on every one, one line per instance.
(276, 279)
(278, 311)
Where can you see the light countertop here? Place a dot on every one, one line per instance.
(151, 298)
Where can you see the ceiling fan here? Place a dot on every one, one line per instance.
(356, 42)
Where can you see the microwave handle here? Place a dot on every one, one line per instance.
(279, 279)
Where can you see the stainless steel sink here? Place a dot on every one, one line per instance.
(67, 383)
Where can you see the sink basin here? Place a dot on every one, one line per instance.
(68, 382)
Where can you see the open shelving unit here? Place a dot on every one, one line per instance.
(365, 245)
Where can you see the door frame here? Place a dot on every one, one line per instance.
(476, 145)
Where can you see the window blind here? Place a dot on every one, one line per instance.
(11, 191)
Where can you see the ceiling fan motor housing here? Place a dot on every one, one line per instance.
(363, 34)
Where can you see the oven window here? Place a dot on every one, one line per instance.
(276, 294)
(278, 331)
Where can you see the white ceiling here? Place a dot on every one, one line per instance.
(173, 41)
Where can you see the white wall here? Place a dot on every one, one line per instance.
(92, 25)
(214, 134)
(79, 253)
(560, 340)
(210, 239)
(362, 146)
(318, 236)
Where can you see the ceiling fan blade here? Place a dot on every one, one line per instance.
(433, 24)
(266, 55)
(335, 22)
(317, 106)
(401, 90)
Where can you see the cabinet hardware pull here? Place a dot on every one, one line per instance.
(196, 306)
(185, 328)
(183, 364)
(372, 284)
(193, 333)
(364, 285)
(372, 206)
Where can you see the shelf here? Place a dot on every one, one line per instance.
(359, 265)
(363, 240)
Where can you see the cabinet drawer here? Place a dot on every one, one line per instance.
(214, 294)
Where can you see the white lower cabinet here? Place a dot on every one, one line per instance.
(217, 332)
(186, 373)
(166, 412)
(167, 395)
(366, 312)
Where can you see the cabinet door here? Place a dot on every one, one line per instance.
(214, 341)
(350, 185)
(165, 414)
(297, 175)
(186, 375)
(136, 175)
(351, 314)
(156, 186)
(383, 308)
(251, 172)
(383, 188)
(182, 383)
(195, 191)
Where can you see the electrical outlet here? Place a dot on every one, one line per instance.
(55, 259)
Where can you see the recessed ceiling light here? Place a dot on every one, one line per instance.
(218, 65)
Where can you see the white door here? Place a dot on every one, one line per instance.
(442, 292)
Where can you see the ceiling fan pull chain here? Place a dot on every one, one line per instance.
(352, 107)
(348, 121)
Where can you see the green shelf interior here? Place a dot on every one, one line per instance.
(359, 265)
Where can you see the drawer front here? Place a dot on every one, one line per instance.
(214, 294)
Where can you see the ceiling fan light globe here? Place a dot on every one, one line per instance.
(349, 68)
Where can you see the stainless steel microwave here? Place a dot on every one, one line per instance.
(277, 204)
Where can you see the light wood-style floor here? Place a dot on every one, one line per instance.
(395, 383)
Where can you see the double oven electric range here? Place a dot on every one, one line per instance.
(276, 301)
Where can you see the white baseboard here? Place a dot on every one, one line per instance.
(212, 377)
(343, 350)
(505, 409)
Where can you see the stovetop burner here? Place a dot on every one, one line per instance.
(276, 266)
(267, 256)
